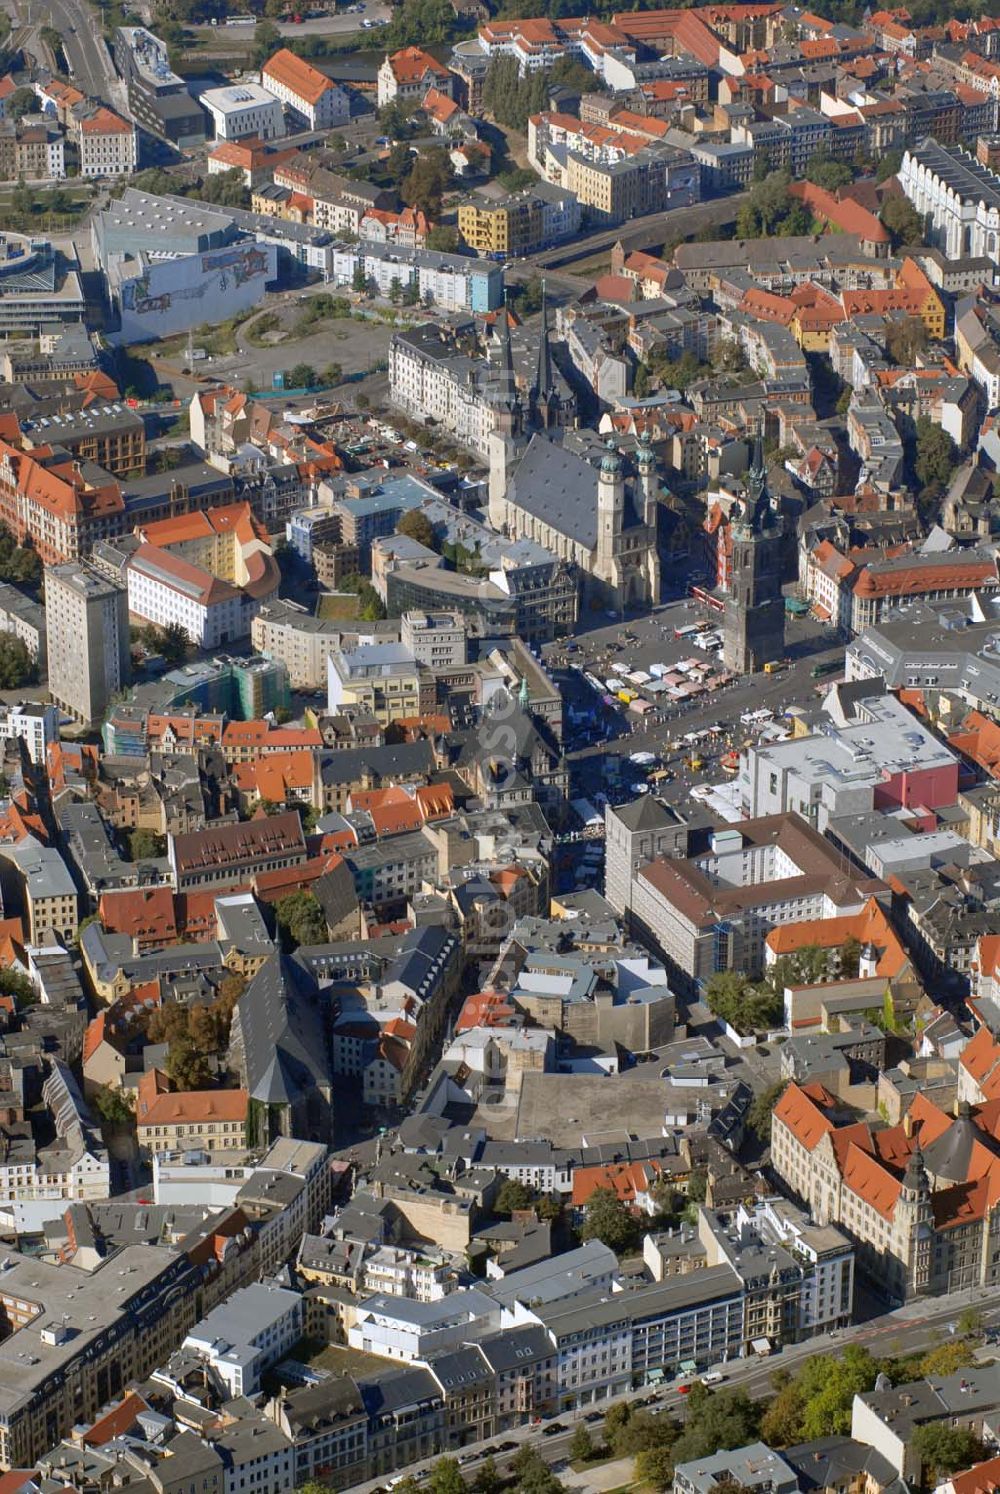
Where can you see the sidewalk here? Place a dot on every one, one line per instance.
(602, 1477)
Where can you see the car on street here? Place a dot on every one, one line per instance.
(554, 1429)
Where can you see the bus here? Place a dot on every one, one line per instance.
(773, 666)
(688, 631)
(830, 667)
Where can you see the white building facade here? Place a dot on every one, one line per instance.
(243, 110)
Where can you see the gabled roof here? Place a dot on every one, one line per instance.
(284, 1047)
(298, 76)
(805, 1115)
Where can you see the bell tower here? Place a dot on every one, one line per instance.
(754, 630)
(610, 516)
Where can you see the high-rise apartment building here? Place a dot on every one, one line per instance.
(86, 622)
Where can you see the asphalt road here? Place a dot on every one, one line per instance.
(90, 62)
(906, 1330)
(644, 233)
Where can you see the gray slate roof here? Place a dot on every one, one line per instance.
(281, 1028)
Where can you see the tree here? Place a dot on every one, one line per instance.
(844, 400)
(359, 280)
(300, 376)
(905, 339)
(111, 1106)
(443, 238)
(770, 210)
(421, 23)
(187, 1064)
(173, 643)
(15, 983)
(944, 1449)
(301, 919)
(817, 1401)
(16, 665)
(936, 453)
(607, 1219)
(759, 1118)
(513, 1195)
(395, 290)
(516, 178)
(824, 171)
(581, 1444)
(446, 1477)
(616, 1419)
(19, 562)
(266, 41)
(889, 165)
(428, 181)
(697, 1187)
(487, 1479)
(146, 845)
(417, 526)
(947, 1358)
(654, 1466)
(743, 1006)
(904, 223)
(398, 162)
(969, 1322)
(21, 101)
(716, 1422)
(533, 1474)
(225, 188)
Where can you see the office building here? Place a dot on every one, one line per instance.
(244, 109)
(158, 99)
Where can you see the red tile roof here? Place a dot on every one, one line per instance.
(297, 76)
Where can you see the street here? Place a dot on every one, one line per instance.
(89, 61)
(919, 1325)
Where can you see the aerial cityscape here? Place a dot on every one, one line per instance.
(499, 748)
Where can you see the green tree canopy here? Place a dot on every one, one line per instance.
(16, 665)
(513, 1194)
(936, 454)
(301, 919)
(904, 223)
(417, 526)
(146, 845)
(817, 1400)
(944, 1449)
(607, 1219)
(446, 1477)
(429, 179)
(759, 1119)
(771, 211)
(716, 1421)
(824, 171)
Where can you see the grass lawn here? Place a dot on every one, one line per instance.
(338, 606)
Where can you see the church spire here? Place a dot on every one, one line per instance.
(543, 395)
(505, 397)
(543, 374)
(508, 388)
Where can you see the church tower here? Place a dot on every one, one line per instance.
(610, 517)
(754, 631)
(505, 440)
(507, 400)
(649, 493)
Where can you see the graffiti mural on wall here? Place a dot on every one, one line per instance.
(243, 262)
